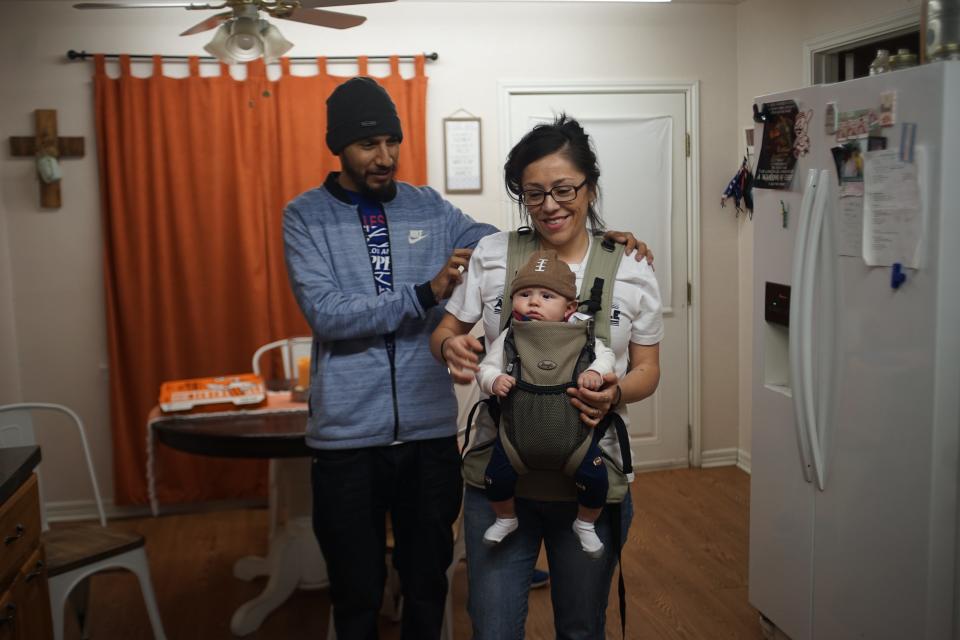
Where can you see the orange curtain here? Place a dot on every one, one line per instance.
(194, 174)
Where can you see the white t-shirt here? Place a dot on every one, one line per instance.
(635, 314)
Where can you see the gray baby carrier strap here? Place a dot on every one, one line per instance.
(539, 428)
(601, 269)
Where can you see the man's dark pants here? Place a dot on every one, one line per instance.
(419, 484)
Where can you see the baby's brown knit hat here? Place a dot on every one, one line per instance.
(545, 269)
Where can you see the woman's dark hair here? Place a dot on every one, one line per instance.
(565, 136)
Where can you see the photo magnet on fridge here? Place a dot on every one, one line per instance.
(856, 124)
(848, 159)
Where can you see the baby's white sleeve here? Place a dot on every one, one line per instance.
(492, 365)
(605, 360)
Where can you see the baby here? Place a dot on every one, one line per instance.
(544, 290)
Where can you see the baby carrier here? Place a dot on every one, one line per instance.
(540, 430)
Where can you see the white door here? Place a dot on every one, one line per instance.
(640, 138)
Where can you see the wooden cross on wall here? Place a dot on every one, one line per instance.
(45, 140)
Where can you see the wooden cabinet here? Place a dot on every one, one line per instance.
(24, 594)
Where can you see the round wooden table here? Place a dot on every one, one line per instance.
(274, 435)
(294, 559)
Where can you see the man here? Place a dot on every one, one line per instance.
(369, 259)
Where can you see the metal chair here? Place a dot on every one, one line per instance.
(291, 350)
(76, 553)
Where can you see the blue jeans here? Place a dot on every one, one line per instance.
(499, 576)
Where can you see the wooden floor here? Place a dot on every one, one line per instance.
(685, 567)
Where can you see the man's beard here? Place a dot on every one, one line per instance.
(382, 194)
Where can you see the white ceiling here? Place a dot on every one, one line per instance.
(448, 1)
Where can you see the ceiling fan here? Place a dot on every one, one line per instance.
(243, 35)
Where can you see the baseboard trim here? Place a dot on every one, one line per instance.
(81, 510)
(659, 465)
(743, 460)
(726, 458)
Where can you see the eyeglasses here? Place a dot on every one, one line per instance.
(560, 193)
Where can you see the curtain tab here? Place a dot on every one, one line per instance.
(362, 66)
(322, 66)
(285, 66)
(194, 63)
(125, 65)
(418, 65)
(99, 65)
(158, 66)
(256, 69)
(395, 66)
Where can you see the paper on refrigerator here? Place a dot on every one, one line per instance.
(851, 227)
(893, 216)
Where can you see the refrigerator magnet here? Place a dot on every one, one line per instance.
(801, 139)
(888, 108)
(830, 119)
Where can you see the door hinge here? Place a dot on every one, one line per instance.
(689, 294)
(688, 145)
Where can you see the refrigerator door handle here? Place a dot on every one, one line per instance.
(827, 358)
(796, 304)
(806, 325)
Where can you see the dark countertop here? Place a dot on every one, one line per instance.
(16, 465)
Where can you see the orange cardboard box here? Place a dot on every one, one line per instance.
(238, 390)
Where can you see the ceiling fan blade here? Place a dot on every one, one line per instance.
(321, 18)
(312, 4)
(210, 23)
(138, 5)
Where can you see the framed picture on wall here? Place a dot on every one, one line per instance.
(462, 159)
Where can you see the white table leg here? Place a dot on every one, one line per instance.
(294, 559)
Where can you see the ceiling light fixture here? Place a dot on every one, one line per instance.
(246, 37)
(242, 40)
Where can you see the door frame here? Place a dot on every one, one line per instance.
(691, 91)
(815, 51)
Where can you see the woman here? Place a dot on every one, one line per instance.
(553, 174)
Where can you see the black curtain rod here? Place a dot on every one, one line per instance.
(83, 55)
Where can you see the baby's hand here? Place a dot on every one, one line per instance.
(503, 384)
(590, 380)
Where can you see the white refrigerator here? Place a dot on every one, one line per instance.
(856, 386)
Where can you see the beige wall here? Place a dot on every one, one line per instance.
(9, 368)
(51, 260)
(770, 36)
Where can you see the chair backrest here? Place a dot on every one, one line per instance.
(291, 350)
(16, 430)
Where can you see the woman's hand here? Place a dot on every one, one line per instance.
(630, 242)
(594, 405)
(461, 355)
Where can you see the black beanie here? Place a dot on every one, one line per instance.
(357, 109)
